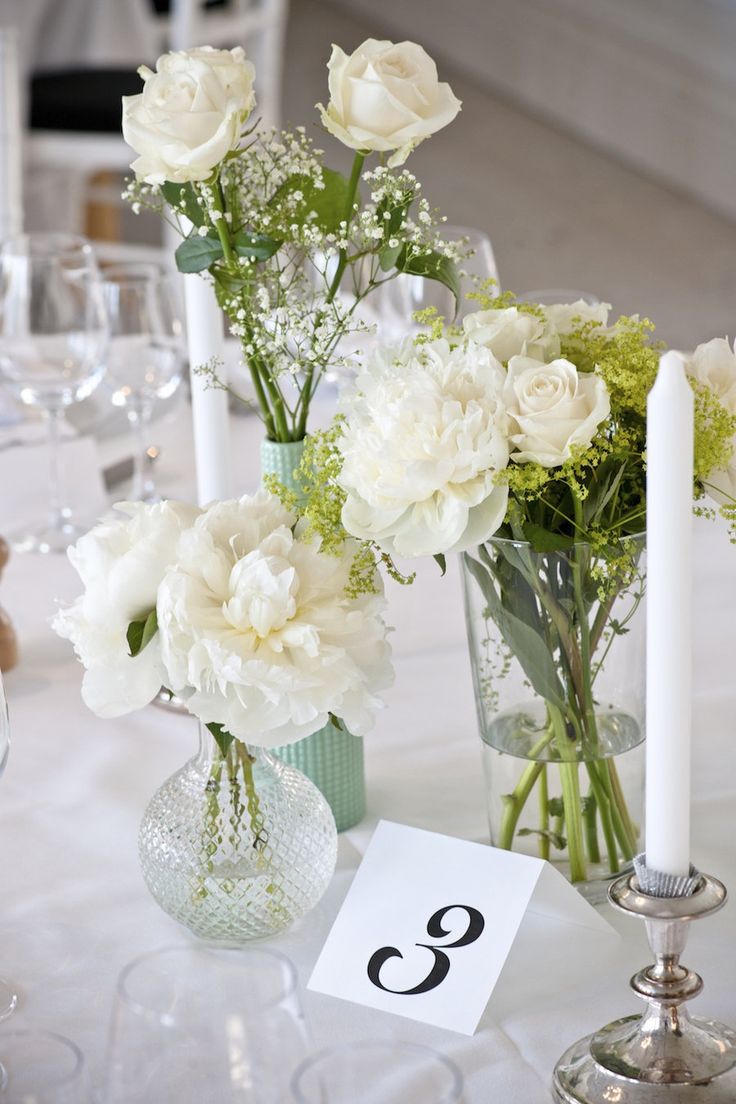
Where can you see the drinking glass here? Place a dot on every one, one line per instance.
(205, 1023)
(146, 354)
(398, 299)
(549, 297)
(377, 1073)
(40, 1067)
(53, 334)
(8, 996)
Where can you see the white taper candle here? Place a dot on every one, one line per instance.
(210, 414)
(669, 617)
(11, 153)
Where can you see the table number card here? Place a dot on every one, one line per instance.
(429, 921)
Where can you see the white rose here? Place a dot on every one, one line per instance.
(509, 332)
(713, 364)
(190, 113)
(386, 96)
(121, 563)
(424, 439)
(551, 408)
(566, 317)
(257, 632)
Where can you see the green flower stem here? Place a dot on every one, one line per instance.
(543, 814)
(571, 800)
(515, 802)
(334, 287)
(221, 226)
(631, 830)
(590, 812)
(604, 812)
(242, 757)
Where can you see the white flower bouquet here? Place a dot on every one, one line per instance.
(293, 246)
(519, 441)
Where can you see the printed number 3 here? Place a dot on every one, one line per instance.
(441, 966)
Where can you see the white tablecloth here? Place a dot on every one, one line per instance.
(74, 908)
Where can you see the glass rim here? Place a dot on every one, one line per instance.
(133, 273)
(53, 240)
(41, 1033)
(456, 1078)
(506, 541)
(140, 1009)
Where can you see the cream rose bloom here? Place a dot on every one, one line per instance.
(551, 408)
(386, 96)
(565, 317)
(509, 332)
(714, 365)
(257, 633)
(424, 438)
(190, 113)
(121, 563)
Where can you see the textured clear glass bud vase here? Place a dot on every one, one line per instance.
(557, 647)
(331, 757)
(237, 846)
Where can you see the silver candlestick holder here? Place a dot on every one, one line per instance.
(662, 1056)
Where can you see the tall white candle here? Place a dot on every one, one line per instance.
(209, 404)
(669, 617)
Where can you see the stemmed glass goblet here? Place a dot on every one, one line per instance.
(146, 354)
(53, 333)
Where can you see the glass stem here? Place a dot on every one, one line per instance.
(143, 488)
(59, 514)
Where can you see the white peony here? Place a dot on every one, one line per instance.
(190, 113)
(386, 96)
(424, 438)
(551, 408)
(714, 365)
(509, 332)
(121, 563)
(565, 317)
(257, 633)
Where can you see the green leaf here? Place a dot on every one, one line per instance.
(388, 257)
(433, 266)
(140, 633)
(195, 254)
(543, 540)
(256, 247)
(328, 203)
(178, 194)
(527, 645)
(222, 737)
(442, 561)
(337, 723)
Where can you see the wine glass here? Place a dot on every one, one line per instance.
(398, 299)
(199, 1022)
(53, 333)
(550, 297)
(41, 1067)
(8, 996)
(381, 1072)
(146, 354)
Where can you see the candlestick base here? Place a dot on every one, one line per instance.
(662, 1056)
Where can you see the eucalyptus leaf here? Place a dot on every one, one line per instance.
(222, 737)
(328, 203)
(183, 195)
(440, 559)
(141, 632)
(256, 247)
(433, 266)
(195, 254)
(527, 645)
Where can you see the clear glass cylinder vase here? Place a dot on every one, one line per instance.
(557, 648)
(237, 846)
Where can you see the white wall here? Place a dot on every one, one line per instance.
(652, 81)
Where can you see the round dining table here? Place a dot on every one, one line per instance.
(74, 909)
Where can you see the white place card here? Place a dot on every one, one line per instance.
(429, 922)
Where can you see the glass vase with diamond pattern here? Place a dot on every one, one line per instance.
(237, 845)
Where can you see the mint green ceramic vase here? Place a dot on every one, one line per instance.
(332, 759)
